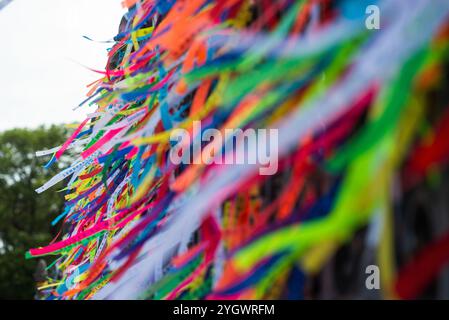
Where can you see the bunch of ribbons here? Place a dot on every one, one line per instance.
(358, 127)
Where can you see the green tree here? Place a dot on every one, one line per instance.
(25, 216)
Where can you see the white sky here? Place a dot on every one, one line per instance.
(41, 46)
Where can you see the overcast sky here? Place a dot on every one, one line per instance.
(42, 47)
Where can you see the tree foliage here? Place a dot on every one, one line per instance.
(25, 216)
